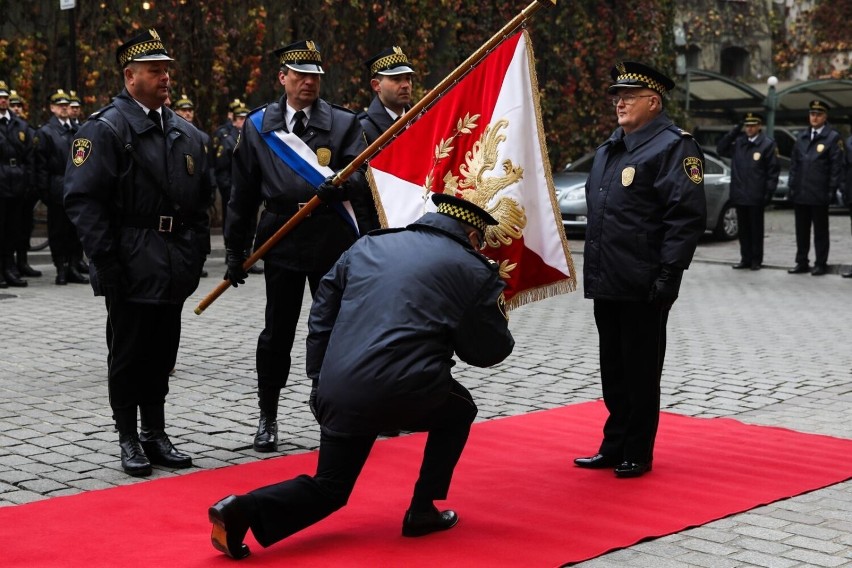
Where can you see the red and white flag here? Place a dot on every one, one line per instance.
(483, 142)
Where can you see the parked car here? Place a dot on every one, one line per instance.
(570, 186)
(785, 137)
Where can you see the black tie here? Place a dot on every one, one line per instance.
(155, 118)
(67, 127)
(813, 135)
(298, 125)
(4, 121)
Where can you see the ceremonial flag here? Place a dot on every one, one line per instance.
(483, 142)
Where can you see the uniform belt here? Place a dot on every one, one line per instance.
(289, 210)
(160, 223)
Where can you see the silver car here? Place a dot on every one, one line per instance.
(570, 186)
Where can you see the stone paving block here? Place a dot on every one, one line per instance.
(810, 558)
(765, 560)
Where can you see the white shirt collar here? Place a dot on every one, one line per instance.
(291, 113)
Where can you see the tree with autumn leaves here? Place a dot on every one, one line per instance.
(223, 50)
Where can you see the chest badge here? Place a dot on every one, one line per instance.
(627, 175)
(80, 151)
(756, 156)
(190, 164)
(693, 169)
(323, 156)
(820, 148)
(22, 136)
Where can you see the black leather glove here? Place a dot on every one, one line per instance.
(665, 288)
(235, 260)
(110, 279)
(330, 193)
(312, 402)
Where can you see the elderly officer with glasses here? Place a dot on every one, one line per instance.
(646, 212)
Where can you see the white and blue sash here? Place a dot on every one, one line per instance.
(302, 160)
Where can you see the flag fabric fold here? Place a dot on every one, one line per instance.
(483, 141)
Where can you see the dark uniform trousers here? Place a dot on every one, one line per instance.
(140, 376)
(10, 224)
(632, 349)
(750, 219)
(280, 510)
(806, 215)
(284, 292)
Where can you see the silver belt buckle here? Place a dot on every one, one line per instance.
(13, 162)
(166, 224)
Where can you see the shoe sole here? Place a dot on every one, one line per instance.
(412, 533)
(142, 472)
(219, 537)
(265, 449)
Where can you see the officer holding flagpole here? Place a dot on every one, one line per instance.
(285, 150)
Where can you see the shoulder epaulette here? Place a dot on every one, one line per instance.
(338, 107)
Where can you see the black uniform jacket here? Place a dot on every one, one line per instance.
(259, 175)
(816, 167)
(375, 121)
(116, 204)
(224, 142)
(16, 157)
(646, 208)
(754, 167)
(52, 151)
(388, 317)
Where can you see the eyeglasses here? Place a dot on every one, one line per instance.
(628, 99)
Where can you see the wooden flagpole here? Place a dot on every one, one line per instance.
(445, 85)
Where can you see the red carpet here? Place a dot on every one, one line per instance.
(520, 499)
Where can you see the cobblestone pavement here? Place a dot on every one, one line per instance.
(763, 347)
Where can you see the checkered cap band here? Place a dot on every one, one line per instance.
(651, 83)
(464, 215)
(388, 62)
(300, 56)
(144, 48)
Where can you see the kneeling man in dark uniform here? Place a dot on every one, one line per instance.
(379, 353)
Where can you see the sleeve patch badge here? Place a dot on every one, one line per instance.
(80, 151)
(694, 169)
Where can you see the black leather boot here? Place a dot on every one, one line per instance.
(80, 265)
(24, 266)
(3, 281)
(266, 439)
(155, 441)
(10, 272)
(61, 272)
(133, 460)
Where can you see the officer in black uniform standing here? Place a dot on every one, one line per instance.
(754, 177)
(647, 210)
(260, 175)
(31, 198)
(54, 146)
(16, 163)
(847, 195)
(136, 190)
(375, 369)
(225, 136)
(391, 76)
(816, 174)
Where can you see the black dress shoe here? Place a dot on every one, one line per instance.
(133, 459)
(389, 433)
(75, 277)
(846, 274)
(799, 269)
(266, 439)
(632, 469)
(597, 461)
(14, 279)
(818, 270)
(230, 526)
(740, 265)
(161, 451)
(421, 524)
(26, 270)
